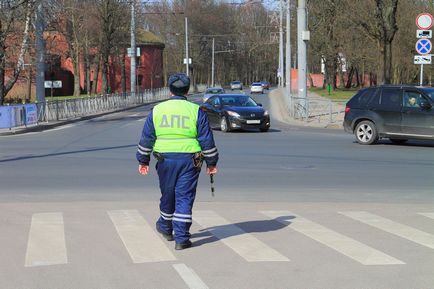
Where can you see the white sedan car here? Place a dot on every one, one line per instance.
(256, 87)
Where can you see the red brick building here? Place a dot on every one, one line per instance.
(149, 72)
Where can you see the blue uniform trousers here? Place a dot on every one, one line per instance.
(178, 181)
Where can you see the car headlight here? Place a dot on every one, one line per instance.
(266, 112)
(233, 113)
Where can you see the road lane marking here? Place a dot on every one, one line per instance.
(349, 247)
(243, 243)
(190, 277)
(46, 244)
(59, 128)
(392, 227)
(140, 240)
(428, 215)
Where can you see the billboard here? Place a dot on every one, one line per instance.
(18, 115)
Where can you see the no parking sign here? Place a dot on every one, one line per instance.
(423, 46)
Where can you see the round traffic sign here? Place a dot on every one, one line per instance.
(424, 21)
(423, 46)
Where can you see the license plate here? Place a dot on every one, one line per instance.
(254, 121)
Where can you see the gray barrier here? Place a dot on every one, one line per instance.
(85, 106)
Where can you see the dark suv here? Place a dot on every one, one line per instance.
(395, 112)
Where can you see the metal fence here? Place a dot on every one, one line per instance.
(73, 108)
(315, 109)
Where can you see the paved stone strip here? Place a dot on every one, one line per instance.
(349, 247)
(243, 243)
(140, 239)
(46, 243)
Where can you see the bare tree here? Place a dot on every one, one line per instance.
(12, 13)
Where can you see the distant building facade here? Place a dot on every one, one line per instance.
(149, 66)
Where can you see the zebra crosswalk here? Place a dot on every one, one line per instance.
(46, 237)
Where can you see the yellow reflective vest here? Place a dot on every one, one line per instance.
(175, 127)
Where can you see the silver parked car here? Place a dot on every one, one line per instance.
(212, 91)
(236, 84)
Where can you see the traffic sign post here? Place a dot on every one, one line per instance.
(424, 21)
(424, 34)
(422, 59)
(423, 46)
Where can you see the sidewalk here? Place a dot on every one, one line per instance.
(52, 124)
(279, 110)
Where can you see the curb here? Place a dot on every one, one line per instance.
(46, 126)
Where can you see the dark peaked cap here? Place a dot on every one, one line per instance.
(179, 83)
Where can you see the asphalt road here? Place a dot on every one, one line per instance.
(295, 207)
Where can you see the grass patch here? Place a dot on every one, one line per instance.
(340, 95)
(54, 98)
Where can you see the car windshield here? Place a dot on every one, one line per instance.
(241, 100)
(235, 82)
(256, 84)
(429, 92)
(214, 90)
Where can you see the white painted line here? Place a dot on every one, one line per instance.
(190, 277)
(428, 215)
(142, 119)
(46, 244)
(60, 128)
(401, 230)
(349, 247)
(140, 240)
(245, 244)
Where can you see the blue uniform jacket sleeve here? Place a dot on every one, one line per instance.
(147, 141)
(206, 140)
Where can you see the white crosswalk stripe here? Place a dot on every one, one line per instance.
(245, 244)
(392, 227)
(341, 243)
(47, 246)
(46, 243)
(428, 215)
(140, 240)
(192, 280)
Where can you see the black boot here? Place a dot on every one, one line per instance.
(168, 237)
(182, 246)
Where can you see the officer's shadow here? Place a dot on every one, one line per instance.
(226, 231)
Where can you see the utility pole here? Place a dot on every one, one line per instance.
(212, 69)
(281, 74)
(40, 54)
(186, 47)
(303, 37)
(288, 56)
(133, 55)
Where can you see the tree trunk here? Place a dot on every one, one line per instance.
(387, 62)
(123, 74)
(95, 75)
(77, 76)
(350, 78)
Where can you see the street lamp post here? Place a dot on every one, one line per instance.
(186, 47)
(133, 51)
(288, 55)
(212, 68)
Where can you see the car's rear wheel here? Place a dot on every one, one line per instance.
(366, 132)
(224, 125)
(398, 140)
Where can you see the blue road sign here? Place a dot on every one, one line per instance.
(423, 46)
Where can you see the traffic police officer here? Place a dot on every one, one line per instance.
(178, 133)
